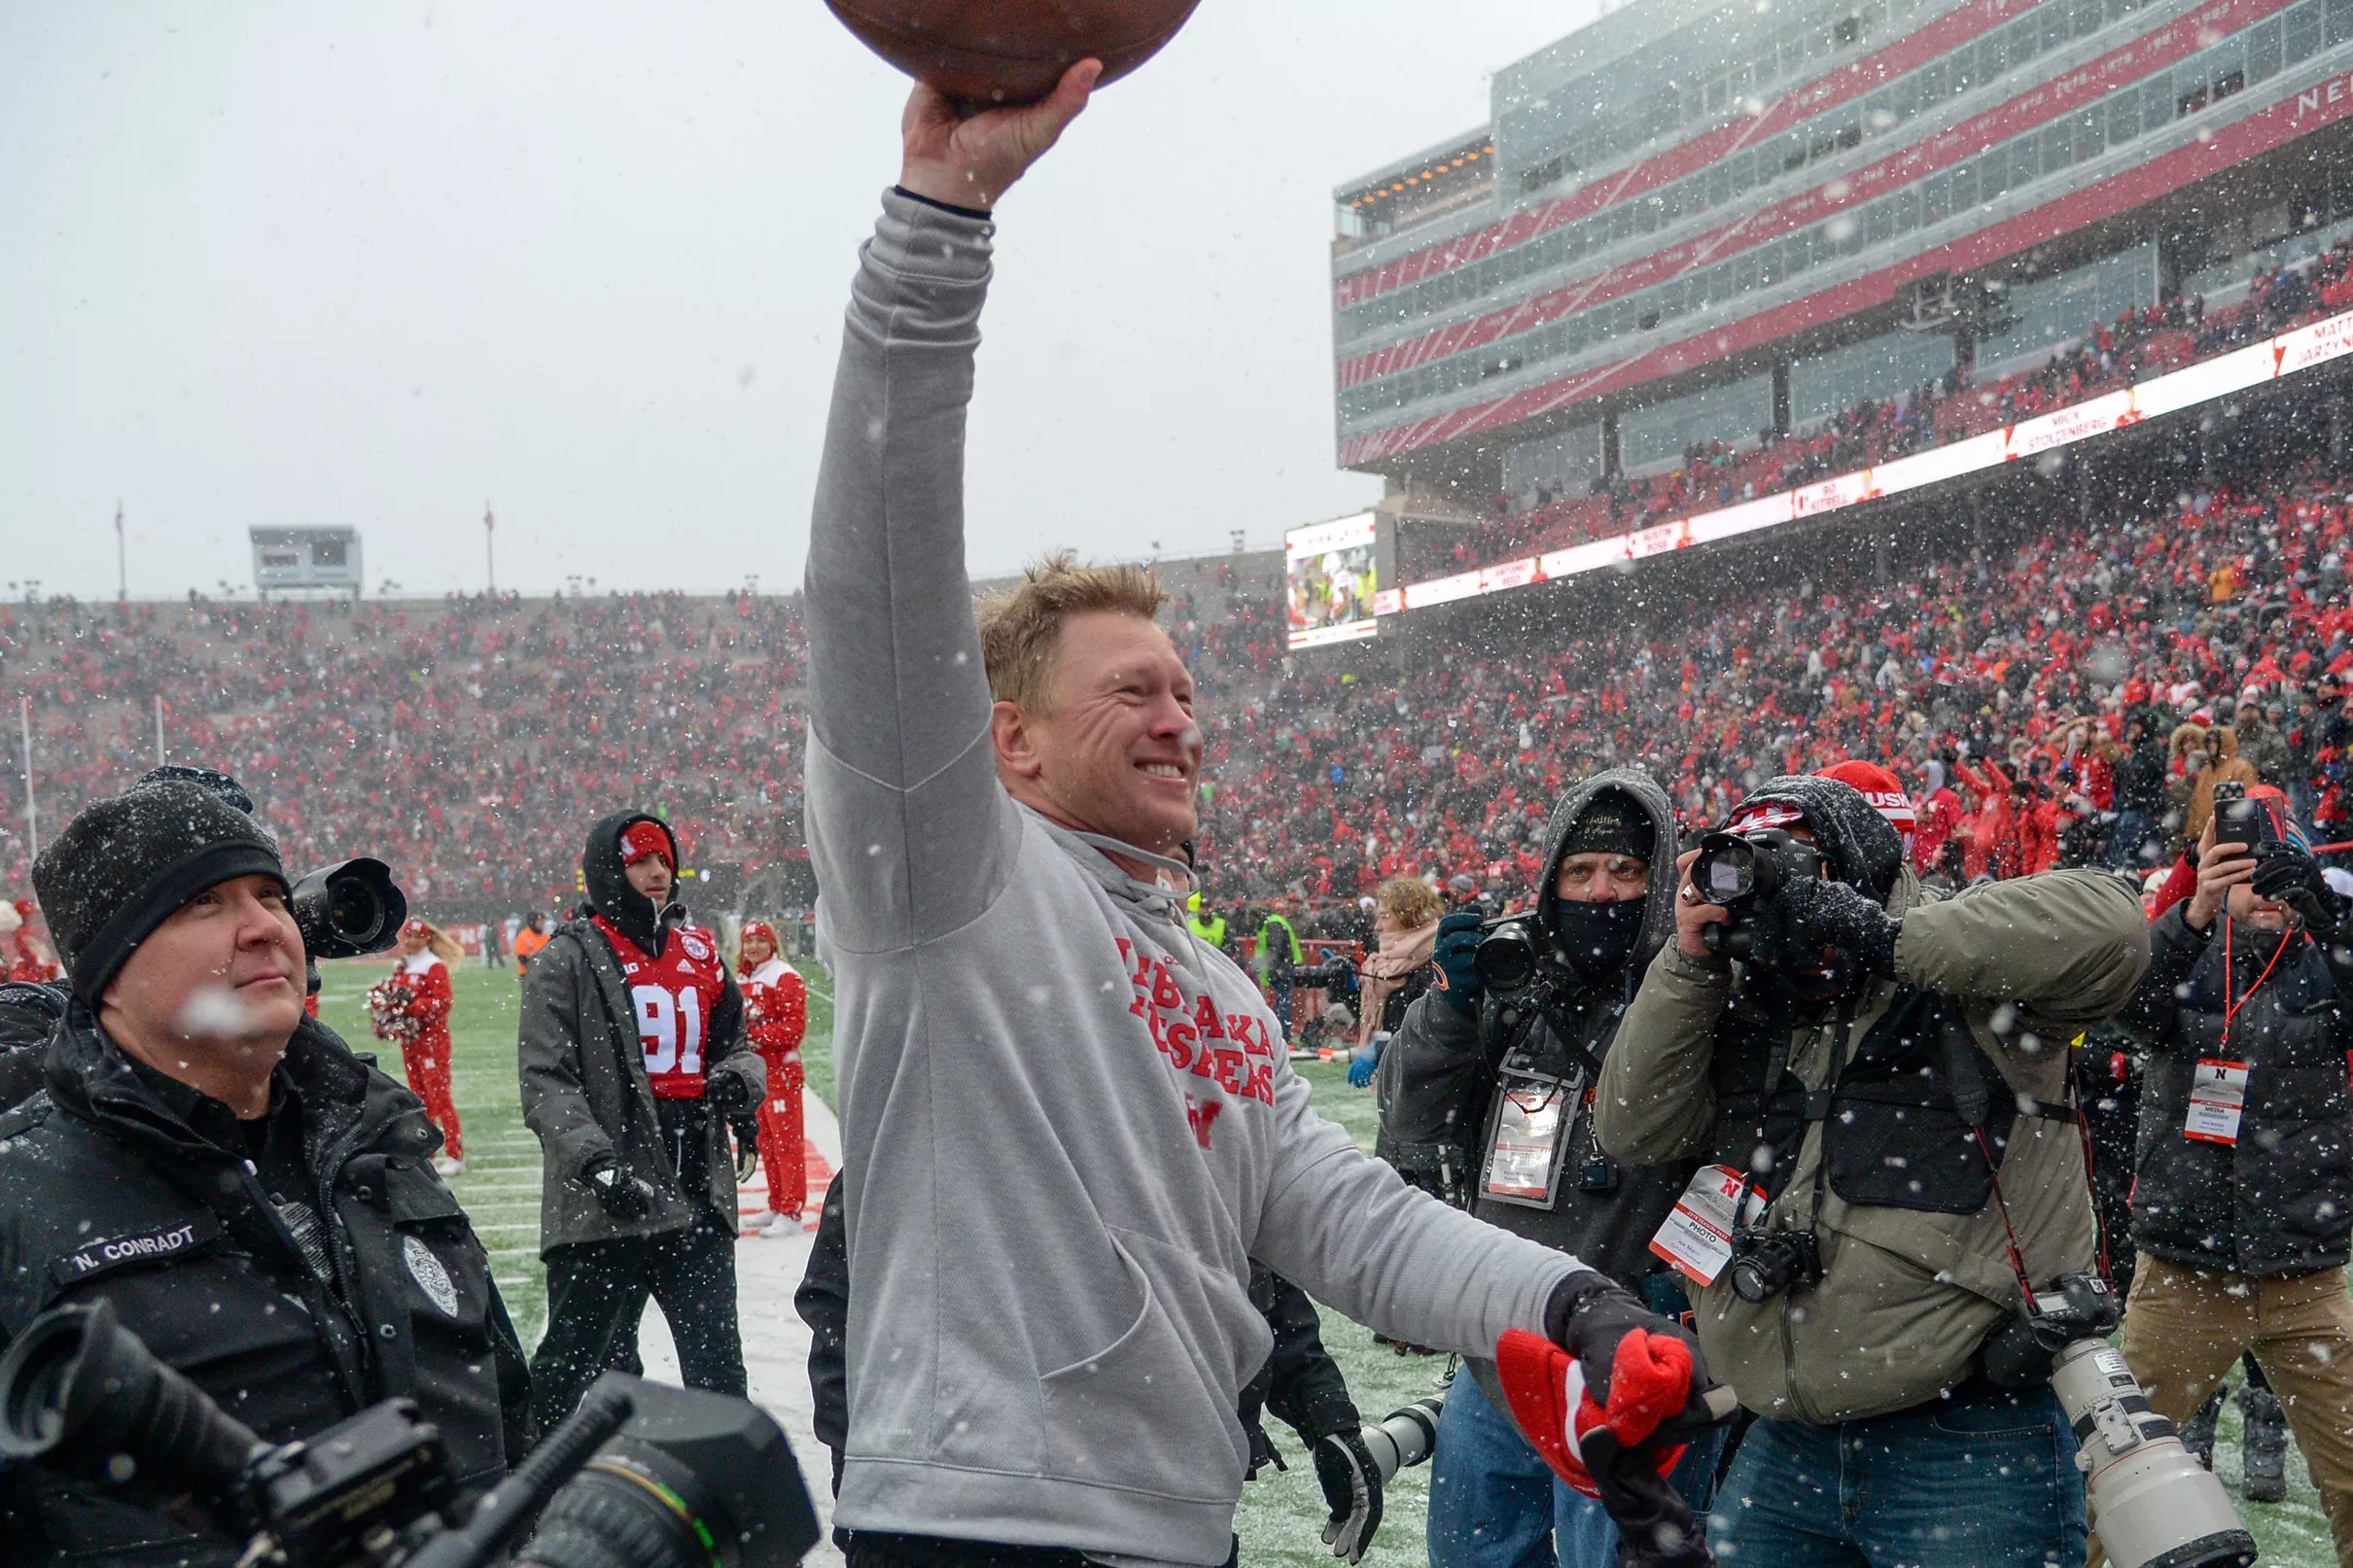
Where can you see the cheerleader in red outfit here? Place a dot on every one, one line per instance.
(411, 1006)
(776, 1012)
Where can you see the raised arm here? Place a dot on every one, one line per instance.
(905, 811)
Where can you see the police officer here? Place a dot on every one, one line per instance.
(633, 1056)
(1881, 1089)
(257, 1203)
(1485, 1099)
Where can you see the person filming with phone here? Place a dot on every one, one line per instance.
(2243, 1200)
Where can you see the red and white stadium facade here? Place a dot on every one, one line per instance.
(1698, 224)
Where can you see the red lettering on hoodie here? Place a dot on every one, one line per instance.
(1199, 1114)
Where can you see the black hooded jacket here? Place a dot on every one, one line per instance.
(2280, 1200)
(118, 1184)
(609, 892)
(581, 1067)
(1438, 1078)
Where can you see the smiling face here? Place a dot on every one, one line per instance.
(757, 950)
(213, 994)
(1117, 751)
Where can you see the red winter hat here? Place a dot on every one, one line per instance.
(760, 929)
(647, 838)
(1886, 792)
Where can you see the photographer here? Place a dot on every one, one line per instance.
(1498, 1085)
(1859, 1080)
(257, 1203)
(2242, 1200)
(633, 1057)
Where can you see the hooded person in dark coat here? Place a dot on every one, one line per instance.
(639, 1183)
(1486, 1098)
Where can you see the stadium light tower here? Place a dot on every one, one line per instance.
(122, 562)
(490, 565)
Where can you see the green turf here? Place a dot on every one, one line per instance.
(1281, 1514)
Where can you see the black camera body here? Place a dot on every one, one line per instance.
(1516, 963)
(640, 1474)
(2021, 1352)
(1743, 872)
(1766, 1263)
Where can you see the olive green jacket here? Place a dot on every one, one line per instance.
(1908, 1296)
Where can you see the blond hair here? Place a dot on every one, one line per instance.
(1020, 630)
(1410, 901)
(440, 944)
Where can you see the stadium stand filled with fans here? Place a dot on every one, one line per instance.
(2136, 345)
(462, 741)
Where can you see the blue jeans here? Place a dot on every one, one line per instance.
(1984, 1479)
(1494, 1504)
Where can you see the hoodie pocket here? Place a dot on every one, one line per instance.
(1141, 1415)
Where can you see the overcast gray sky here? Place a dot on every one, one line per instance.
(269, 264)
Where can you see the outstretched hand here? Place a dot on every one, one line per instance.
(971, 162)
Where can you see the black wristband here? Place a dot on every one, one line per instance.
(981, 213)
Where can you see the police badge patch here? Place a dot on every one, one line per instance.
(431, 1277)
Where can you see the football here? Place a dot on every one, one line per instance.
(986, 52)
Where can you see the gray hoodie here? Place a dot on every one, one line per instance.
(1068, 1126)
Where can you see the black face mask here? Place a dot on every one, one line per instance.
(1598, 938)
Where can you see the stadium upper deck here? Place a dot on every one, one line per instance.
(1694, 222)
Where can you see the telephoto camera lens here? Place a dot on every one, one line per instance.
(1406, 1439)
(2153, 1505)
(349, 910)
(694, 1481)
(80, 1394)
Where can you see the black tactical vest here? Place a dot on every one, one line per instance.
(1901, 1119)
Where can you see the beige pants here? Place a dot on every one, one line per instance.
(2184, 1328)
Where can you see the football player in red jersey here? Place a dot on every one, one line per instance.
(633, 1056)
(776, 1001)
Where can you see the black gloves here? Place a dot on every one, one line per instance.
(726, 1092)
(1589, 1313)
(1454, 953)
(747, 1148)
(623, 1195)
(2286, 873)
(1804, 917)
(1590, 1316)
(1351, 1485)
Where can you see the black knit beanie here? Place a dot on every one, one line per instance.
(1613, 822)
(126, 865)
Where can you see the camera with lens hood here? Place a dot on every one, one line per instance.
(640, 1475)
(1743, 873)
(348, 910)
(2151, 1502)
